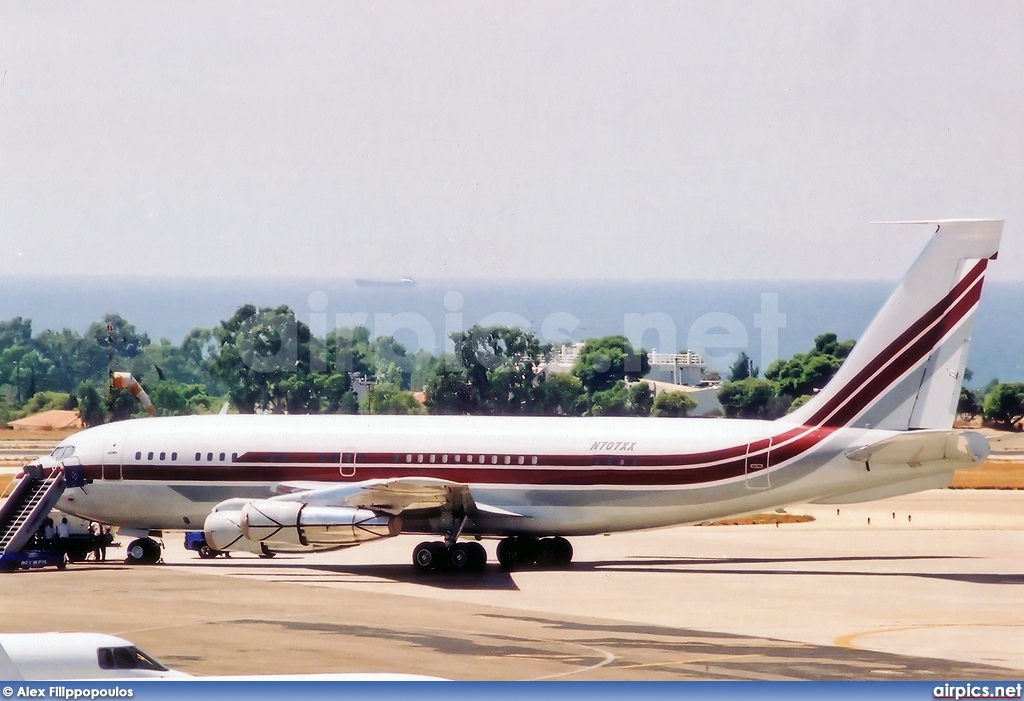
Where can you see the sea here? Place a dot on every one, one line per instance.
(716, 319)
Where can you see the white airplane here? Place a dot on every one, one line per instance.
(80, 656)
(882, 427)
(41, 656)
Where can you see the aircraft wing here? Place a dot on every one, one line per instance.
(390, 496)
(915, 448)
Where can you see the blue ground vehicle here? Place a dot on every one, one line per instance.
(33, 559)
(196, 540)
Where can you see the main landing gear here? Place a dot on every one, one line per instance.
(523, 551)
(460, 557)
(514, 552)
(143, 551)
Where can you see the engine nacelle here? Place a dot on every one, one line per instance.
(294, 526)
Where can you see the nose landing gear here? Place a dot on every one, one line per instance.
(143, 551)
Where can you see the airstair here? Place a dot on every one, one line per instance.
(28, 505)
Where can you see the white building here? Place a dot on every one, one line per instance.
(684, 368)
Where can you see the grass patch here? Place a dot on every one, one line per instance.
(993, 474)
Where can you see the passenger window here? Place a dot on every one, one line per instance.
(508, 459)
(348, 457)
(199, 456)
(432, 457)
(222, 456)
(209, 457)
(444, 458)
(234, 456)
(419, 458)
(458, 458)
(174, 456)
(521, 460)
(149, 456)
(494, 459)
(138, 456)
(534, 461)
(408, 457)
(163, 456)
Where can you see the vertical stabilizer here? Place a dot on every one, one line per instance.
(907, 369)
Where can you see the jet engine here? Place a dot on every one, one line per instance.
(293, 526)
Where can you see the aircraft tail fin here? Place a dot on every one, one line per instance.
(907, 369)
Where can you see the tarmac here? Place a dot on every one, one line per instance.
(927, 586)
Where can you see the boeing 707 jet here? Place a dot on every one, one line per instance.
(882, 427)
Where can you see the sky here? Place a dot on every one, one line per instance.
(499, 140)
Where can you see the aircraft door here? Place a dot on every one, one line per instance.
(757, 463)
(348, 463)
(112, 461)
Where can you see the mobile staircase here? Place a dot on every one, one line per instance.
(28, 505)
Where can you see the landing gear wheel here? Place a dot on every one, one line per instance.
(63, 564)
(144, 551)
(477, 557)
(459, 557)
(517, 551)
(562, 551)
(467, 557)
(207, 553)
(546, 552)
(430, 556)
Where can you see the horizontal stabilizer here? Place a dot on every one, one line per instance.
(916, 448)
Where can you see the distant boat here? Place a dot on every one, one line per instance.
(404, 282)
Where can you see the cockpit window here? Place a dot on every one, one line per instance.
(62, 452)
(128, 657)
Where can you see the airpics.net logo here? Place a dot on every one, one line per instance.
(717, 337)
(978, 691)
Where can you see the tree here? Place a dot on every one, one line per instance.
(673, 404)
(743, 368)
(751, 399)
(171, 398)
(74, 358)
(1004, 404)
(387, 398)
(45, 401)
(494, 371)
(448, 392)
(605, 361)
(91, 405)
(117, 337)
(968, 406)
(16, 332)
(561, 394)
(623, 400)
(265, 358)
(805, 373)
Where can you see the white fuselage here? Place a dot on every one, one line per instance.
(567, 476)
